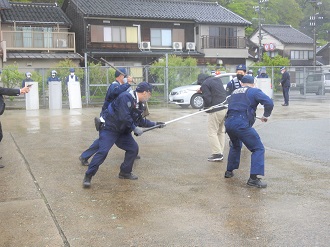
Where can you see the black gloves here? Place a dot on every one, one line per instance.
(161, 124)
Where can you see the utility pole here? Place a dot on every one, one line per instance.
(258, 9)
(312, 23)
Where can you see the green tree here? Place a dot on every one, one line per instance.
(273, 62)
(270, 63)
(180, 71)
(11, 77)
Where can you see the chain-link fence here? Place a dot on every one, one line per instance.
(95, 80)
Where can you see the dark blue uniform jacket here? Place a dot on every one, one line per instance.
(285, 80)
(124, 114)
(244, 101)
(113, 91)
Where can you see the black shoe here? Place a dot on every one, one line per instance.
(285, 104)
(229, 174)
(83, 161)
(87, 181)
(138, 157)
(2, 166)
(215, 157)
(256, 183)
(127, 176)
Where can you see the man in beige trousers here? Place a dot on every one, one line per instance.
(213, 93)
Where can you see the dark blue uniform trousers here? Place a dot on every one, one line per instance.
(106, 140)
(286, 94)
(238, 129)
(91, 150)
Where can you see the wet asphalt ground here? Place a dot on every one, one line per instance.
(180, 199)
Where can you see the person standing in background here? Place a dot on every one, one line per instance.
(27, 79)
(285, 83)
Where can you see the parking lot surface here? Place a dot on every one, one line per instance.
(180, 199)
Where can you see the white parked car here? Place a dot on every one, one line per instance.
(189, 95)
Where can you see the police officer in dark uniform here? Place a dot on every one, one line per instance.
(122, 116)
(53, 77)
(235, 82)
(71, 77)
(262, 73)
(240, 118)
(285, 83)
(27, 79)
(117, 87)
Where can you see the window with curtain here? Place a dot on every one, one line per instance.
(301, 55)
(161, 37)
(34, 37)
(117, 34)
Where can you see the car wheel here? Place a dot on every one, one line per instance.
(197, 101)
(184, 106)
(319, 91)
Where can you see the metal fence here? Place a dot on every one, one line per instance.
(95, 80)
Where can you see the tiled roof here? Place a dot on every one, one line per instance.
(4, 4)
(199, 12)
(35, 13)
(287, 34)
(321, 48)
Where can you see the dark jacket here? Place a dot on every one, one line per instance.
(285, 81)
(244, 101)
(213, 93)
(113, 91)
(9, 92)
(124, 114)
(232, 85)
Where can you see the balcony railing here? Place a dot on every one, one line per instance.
(38, 41)
(209, 42)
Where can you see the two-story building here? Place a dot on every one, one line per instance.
(35, 35)
(138, 32)
(286, 41)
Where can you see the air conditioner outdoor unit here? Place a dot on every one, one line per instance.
(61, 43)
(144, 45)
(177, 45)
(191, 46)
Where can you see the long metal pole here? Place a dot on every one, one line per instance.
(260, 47)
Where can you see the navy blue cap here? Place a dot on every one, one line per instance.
(241, 67)
(120, 71)
(143, 86)
(282, 68)
(248, 79)
(71, 70)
